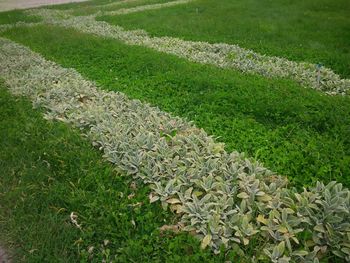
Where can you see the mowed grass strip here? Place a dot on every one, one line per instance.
(47, 171)
(86, 4)
(93, 6)
(113, 6)
(11, 17)
(312, 31)
(297, 132)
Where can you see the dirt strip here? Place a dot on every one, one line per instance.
(6, 5)
(3, 256)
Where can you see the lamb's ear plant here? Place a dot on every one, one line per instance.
(225, 199)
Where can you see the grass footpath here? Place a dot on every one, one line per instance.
(47, 171)
(308, 30)
(295, 131)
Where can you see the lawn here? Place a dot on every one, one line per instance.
(297, 132)
(15, 16)
(92, 7)
(313, 31)
(48, 170)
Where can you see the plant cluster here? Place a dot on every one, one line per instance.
(54, 179)
(272, 28)
(297, 132)
(223, 198)
(221, 55)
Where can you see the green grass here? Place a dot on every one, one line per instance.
(86, 4)
(297, 132)
(91, 9)
(302, 30)
(92, 6)
(11, 17)
(47, 171)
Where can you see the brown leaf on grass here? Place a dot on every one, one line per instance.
(74, 220)
(130, 196)
(133, 186)
(153, 198)
(172, 228)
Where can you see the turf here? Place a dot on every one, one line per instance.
(308, 30)
(47, 171)
(11, 17)
(91, 9)
(86, 4)
(91, 6)
(297, 132)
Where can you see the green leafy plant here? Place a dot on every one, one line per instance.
(224, 198)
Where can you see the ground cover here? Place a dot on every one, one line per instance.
(155, 147)
(48, 171)
(221, 55)
(306, 121)
(297, 132)
(310, 31)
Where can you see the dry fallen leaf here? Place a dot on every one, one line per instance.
(153, 198)
(130, 196)
(177, 208)
(173, 228)
(73, 219)
(133, 186)
(173, 201)
(206, 241)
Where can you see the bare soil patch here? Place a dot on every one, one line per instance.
(4, 258)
